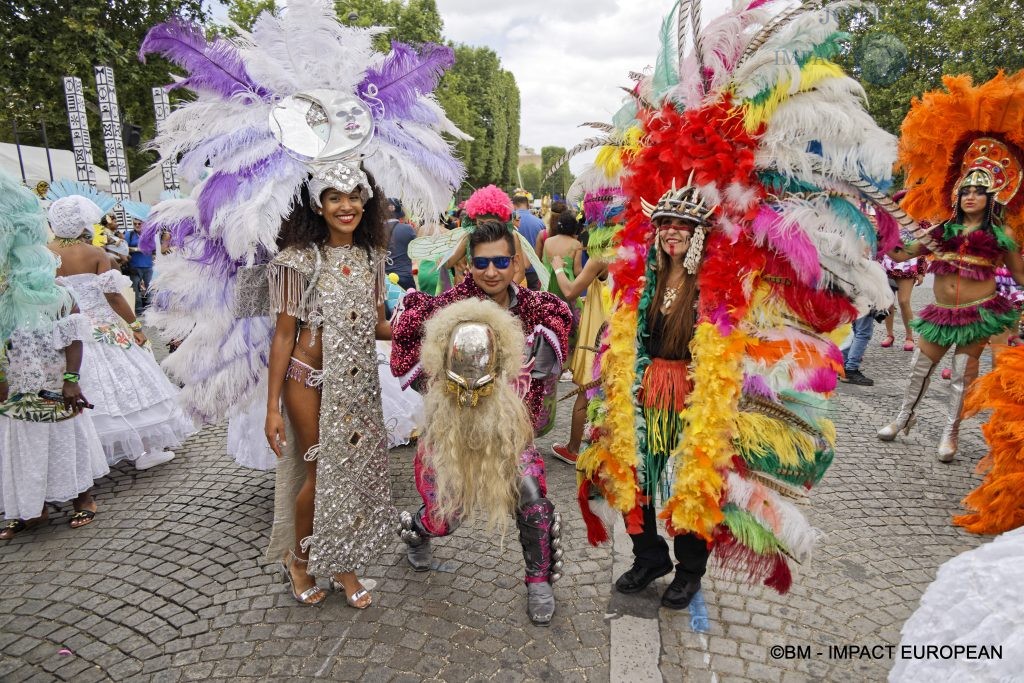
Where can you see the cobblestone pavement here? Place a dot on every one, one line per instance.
(169, 583)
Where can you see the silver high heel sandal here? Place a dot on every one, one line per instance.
(308, 596)
(353, 600)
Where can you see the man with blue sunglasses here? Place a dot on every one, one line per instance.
(546, 322)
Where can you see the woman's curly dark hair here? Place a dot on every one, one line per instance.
(304, 227)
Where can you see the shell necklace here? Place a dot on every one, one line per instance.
(669, 297)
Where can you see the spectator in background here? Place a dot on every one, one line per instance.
(529, 227)
(140, 268)
(109, 238)
(399, 234)
(557, 208)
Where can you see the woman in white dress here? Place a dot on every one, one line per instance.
(49, 450)
(137, 415)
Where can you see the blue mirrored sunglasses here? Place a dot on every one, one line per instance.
(500, 262)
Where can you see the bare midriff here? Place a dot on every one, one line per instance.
(313, 356)
(953, 290)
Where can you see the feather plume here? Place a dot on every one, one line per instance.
(399, 80)
(212, 66)
(606, 127)
(589, 143)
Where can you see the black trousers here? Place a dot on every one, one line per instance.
(651, 550)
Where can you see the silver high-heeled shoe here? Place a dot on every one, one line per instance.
(353, 600)
(308, 596)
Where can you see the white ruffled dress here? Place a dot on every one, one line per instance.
(136, 405)
(974, 601)
(403, 417)
(403, 408)
(45, 461)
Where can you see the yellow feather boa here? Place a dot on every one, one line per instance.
(706, 450)
(614, 456)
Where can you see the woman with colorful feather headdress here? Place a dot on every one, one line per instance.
(981, 129)
(299, 128)
(785, 152)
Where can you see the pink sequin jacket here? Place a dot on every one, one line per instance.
(541, 313)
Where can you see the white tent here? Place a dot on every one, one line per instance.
(146, 188)
(151, 183)
(33, 159)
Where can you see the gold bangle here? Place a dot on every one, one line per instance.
(135, 325)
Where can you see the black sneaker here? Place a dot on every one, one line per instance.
(680, 592)
(857, 377)
(639, 578)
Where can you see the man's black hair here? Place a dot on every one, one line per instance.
(488, 231)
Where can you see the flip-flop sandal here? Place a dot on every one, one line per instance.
(87, 515)
(11, 528)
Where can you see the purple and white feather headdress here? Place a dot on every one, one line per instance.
(301, 99)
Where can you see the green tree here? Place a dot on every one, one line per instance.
(244, 12)
(510, 91)
(912, 43)
(45, 40)
(559, 183)
(530, 176)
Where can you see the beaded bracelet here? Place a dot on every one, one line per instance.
(72, 377)
(135, 325)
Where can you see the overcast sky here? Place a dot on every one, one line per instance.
(569, 57)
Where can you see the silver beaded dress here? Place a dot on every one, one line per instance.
(336, 291)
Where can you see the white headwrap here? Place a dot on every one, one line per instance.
(70, 216)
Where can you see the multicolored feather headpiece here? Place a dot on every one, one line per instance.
(785, 151)
(965, 135)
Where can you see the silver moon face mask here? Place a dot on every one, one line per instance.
(330, 131)
(471, 362)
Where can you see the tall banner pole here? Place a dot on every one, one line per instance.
(81, 144)
(168, 167)
(117, 165)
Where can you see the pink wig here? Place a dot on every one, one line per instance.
(489, 201)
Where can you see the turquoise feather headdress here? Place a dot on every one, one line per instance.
(29, 296)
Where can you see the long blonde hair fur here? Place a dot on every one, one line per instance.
(474, 451)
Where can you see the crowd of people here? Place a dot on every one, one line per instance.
(696, 319)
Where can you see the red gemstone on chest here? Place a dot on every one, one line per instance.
(346, 271)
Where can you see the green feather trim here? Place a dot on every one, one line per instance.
(962, 335)
(1003, 239)
(806, 472)
(749, 532)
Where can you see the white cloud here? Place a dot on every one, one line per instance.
(569, 57)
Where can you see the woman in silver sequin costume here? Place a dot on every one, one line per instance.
(326, 289)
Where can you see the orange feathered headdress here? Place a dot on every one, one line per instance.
(948, 135)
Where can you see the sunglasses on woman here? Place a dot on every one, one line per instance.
(500, 262)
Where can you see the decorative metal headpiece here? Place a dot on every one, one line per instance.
(989, 164)
(687, 203)
(471, 363)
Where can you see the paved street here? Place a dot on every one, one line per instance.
(169, 582)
